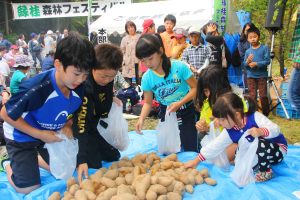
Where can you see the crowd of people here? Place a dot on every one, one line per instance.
(184, 70)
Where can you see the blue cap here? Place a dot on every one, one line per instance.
(32, 35)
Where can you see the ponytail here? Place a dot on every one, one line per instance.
(166, 65)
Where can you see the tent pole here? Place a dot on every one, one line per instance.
(89, 16)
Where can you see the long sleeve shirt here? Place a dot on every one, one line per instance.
(228, 136)
(262, 58)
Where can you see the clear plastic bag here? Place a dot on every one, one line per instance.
(114, 128)
(222, 159)
(62, 157)
(245, 160)
(168, 138)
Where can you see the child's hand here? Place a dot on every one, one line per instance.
(211, 28)
(255, 132)
(193, 69)
(192, 163)
(249, 59)
(82, 169)
(252, 64)
(117, 101)
(174, 107)
(139, 126)
(49, 136)
(202, 126)
(216, 123)
(67, 131)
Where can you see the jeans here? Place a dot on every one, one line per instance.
(294, 89)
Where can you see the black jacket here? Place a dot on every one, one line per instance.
(96, 104)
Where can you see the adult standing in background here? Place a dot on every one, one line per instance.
(62, 36)
(294, 86)
(22, 44)
(35, 49)
(130, 62)
(4, 42)
(49, 42)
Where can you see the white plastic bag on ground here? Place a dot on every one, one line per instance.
(62, 157)
(114, 128)
(168, 138)
(245, 160)
(222, 159)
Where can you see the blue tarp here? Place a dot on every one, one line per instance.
(286, 177)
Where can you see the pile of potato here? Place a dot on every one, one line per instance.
(146, 176)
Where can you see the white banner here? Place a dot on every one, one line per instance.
(63, 9)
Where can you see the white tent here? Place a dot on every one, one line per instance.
(187, 12)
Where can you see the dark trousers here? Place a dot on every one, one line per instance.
(35, 56)
(186, 124)
(267, 153)
(99, 150)
(261, 85)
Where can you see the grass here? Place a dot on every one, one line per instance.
(290, 128)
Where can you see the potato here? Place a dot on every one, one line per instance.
(125, 163)
(124, 189)
(108, 182)
(120, 181)
(112, 174)
(165, 181)
(141, 185)
(180, 170)
(158, 189)
(125, 196)
(189, 189)
(80, 195)
(54, 196)
(191, 179)
(73, 189)
(177, 164)
(107, 194)
(114, 165)
(198, 179)
(162, 197)
(174, 196)
(154, 180)
(87, 184)
(125, 170)
(90, 195)
(151, 195)
(67, 195)
(184, 179)
(155, 168)
(179, 187)
(171, 157)
(101, 189)
(166, 165)
(210, 181)
(71, 181)
(129, 178)
(204, 173)
(136, 171)
(138, 159)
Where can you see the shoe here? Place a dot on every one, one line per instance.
(3, 157)
(263, 176)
